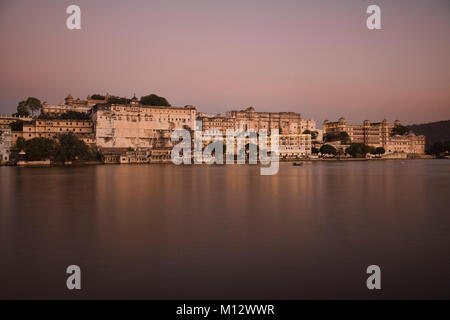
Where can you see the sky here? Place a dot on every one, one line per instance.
(315, 57)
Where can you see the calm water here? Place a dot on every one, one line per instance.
(162, 231)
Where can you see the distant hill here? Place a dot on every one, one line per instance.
(433, 131)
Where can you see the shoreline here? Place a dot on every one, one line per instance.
(41, 164)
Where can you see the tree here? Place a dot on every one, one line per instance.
(341, 136)
(380, 150)
(22, 110)
(344, 137)
(358, 150)
(312, 133)
(31, 104)
(38, 149)
(154, 100)
(439, 147)
(16, 125)
(399, 130)
(314, 150)
(20, 144)
(117, 100)
(68, 115)
(328, 149)
(70, 148)
(97, 96)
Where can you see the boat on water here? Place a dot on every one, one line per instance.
(297, 164)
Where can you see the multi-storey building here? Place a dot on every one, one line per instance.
(71, 104)
(135, 125)
(5, 121)
(285, 122)
(40, 128)
(217, 124)
(290, 125)
(378, 134)
(5, 144)
(375, 134)
(292, 146)
(410, 144)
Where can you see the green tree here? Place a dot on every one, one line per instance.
(16, 125)
(313, 134)
(20, 144)
(118, 100)
(97, 96)
(438, 147)
(38, 149)
(68, 115)
(154, 100)
(399, 130)
(341, 136)
(328, 149)
(358, 150)
(314, 150)
(380, 150)
(70, 148)
(446, 146)
(31, 104)
(344, 137)
(22, 110)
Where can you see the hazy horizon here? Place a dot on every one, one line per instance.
(312, 57)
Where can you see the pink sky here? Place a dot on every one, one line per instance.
(315, 57)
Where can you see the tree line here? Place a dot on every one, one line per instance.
(439, 148)
(67, 147)
(356, 150)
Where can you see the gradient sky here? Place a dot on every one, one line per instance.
(315, 57)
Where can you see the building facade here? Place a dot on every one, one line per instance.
(293, 143)
(409, 144)
(5, 144)
(285, 122)
(378, 134)
(5, 120)
(71, 104)
(137, 126)
(294, 146)
(50, 129)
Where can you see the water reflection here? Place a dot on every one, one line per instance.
(225, 231)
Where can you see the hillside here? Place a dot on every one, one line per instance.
(433, 131)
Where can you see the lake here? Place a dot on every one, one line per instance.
(226, 232)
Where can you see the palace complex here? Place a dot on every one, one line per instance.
(127, 131)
